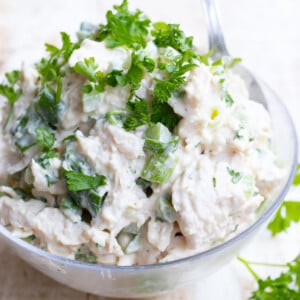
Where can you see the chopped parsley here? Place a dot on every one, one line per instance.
(44, 138)
(170, 35)
(124, 28)
(85, 255)
(11, 91)
(77, 181)
(85, 187)
(139, 114)
(235, 176)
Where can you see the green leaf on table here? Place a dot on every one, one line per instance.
(288, 213)
(297, 176)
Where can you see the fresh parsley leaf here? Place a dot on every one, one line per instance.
(235, 176)
(88, 68)
(170, 35)
(84, 186)
(175, 70)
(124, 28)
(138, 114)
(296, 180)
(77, 181)
(288, 212)
(11, 91)
(44, 138)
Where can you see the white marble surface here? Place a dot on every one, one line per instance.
(265, 33)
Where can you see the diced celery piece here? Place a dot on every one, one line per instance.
(134, 245)
(159, 168)
(90, 101)
(159, 139)
(248, 182)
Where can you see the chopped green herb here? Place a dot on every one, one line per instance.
(29, 239)
(164, 113)
(124, 28)
(84, 186)
(235, 176)
(170, 35)
(227, 98)
(288, 212)
(43, 160)
(77, 181)
(165, 211)
(85, 255)
(138, 114)
(214, 182)
(44, 138)
(88, 68)
(11, 91)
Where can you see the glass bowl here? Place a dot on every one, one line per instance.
(150, 280)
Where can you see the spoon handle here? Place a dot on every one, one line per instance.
(215, 35)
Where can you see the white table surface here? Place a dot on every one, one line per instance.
(265, 33)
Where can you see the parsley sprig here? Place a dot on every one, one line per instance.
(285, 286)
(11, 91)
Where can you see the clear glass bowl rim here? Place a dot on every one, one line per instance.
(211, 251)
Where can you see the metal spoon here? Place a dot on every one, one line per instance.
(217, 43)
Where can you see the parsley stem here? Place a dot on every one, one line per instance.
(9, 115)
(247, 265)
(267, 264)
